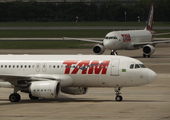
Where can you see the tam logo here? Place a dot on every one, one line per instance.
(126, 37)
(150, 18)
(86, 66)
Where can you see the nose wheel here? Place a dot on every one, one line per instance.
(118, 96)
(113, 52)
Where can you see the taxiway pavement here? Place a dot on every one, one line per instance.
(148, 102)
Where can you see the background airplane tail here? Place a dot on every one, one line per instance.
(149, 23)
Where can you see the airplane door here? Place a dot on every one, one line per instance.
(44, 67)
(115, 68)
(38, 67)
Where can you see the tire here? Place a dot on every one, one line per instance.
(119, 98)
(15, 97)
(144, 55)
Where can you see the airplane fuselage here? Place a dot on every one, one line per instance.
(125, 40)
(77, 70)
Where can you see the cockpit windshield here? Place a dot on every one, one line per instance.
(111, 37)
(136, 66)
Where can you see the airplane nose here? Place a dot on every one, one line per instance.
(107, 44)
(152, 76)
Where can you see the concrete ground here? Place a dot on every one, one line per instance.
(148, 102)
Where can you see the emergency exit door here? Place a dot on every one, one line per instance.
(115, 68)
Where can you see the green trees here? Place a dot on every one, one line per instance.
(33, 11)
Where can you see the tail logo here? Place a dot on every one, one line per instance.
(151, 18)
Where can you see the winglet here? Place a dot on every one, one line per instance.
(149, 23)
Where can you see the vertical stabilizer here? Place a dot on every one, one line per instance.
(149, 23)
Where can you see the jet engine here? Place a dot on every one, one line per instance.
(45, 89)
(98, 49)
(74, 90)
(148, 49)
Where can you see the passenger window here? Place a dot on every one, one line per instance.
(29, 66)
(58, 66)
(5, 66)
(1, 66)
(13, 66)
(131, 66)
(25, 66)
(54, 66)
(17, 66)
(9, 66)
(137, 66)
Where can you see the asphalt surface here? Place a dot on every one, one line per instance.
(86, 28)
(148, 102)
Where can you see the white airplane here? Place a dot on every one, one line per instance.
(44, 76)
(129, 40)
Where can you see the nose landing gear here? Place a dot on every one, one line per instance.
(113, 52)
(118, 96)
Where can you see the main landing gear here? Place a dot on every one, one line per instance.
(118, 96)
(146, 55)
(15, 97)
(113, 52)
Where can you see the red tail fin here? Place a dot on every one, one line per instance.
(150, 18)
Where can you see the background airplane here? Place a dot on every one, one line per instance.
(44, 76)
(129, 40)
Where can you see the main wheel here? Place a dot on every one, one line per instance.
(32, 97)
(144, 55)
(119, 98)
(15, 97)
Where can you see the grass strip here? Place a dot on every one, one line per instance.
(44, 44)
(61, 33)
(103, 23)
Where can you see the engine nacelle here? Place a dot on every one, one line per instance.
(45, 89)
(74, 90)
(98, 49)
(148, 49)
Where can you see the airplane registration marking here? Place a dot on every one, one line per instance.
(86, 66)
(126, 37)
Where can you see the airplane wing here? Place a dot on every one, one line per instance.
(88, 40)
(154, 42)
(19, 80)
(161, 34)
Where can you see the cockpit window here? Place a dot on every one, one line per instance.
(111, 37)
(137, 66)
(131, 66)
(142, 65)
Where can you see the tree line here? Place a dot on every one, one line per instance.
(33, 11)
